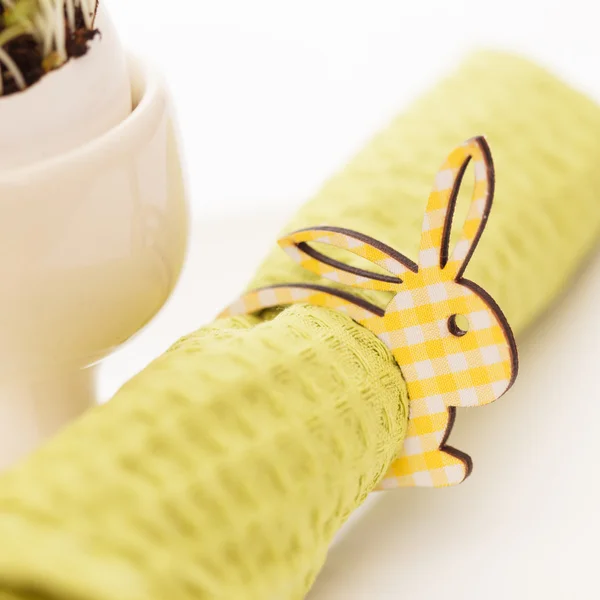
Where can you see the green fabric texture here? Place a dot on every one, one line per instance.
(224, 469)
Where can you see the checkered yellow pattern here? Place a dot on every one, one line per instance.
(297, 248)
(443, 365)
(270, 297)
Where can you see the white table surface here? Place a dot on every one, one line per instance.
(525, 525)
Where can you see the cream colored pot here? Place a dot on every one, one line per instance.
(92, 241)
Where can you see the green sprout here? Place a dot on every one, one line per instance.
(48, 23)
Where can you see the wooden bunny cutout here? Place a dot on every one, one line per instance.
(450, 339)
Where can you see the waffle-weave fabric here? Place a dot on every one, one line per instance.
(223, 470)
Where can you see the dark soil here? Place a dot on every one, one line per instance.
(28, 55)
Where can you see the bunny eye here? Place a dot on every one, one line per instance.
(458, 325)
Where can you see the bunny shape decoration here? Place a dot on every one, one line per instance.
(449, 338)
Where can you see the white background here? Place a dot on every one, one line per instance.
(272, 97)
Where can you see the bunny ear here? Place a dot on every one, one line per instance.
(301, 293)
(442, 201)
(298, 246)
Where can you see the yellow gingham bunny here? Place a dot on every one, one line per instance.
(444, 365)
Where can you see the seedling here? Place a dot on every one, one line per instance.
(39, 36)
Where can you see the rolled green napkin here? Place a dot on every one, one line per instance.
(224, 469)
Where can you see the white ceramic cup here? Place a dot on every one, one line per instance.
(91, 245)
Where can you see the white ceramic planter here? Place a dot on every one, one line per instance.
(91, 245)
